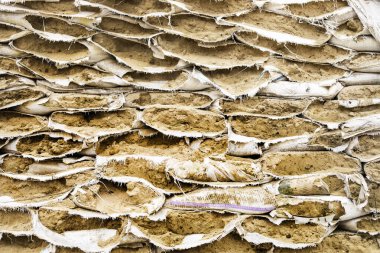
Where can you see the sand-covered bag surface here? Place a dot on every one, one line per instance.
(186, 126)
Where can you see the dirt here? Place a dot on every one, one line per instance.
(341, 242)
(136, 55)
(145, 249)
(179, 224)
(302, 163)
(263, 106)
(231, 243)
(147, 99)
(54, 51)
(76, 73)
(328, 185)
(328, 139)
(45, 146)
(312, 209)
(359, 92)
(368, 147)
(317, 8)
(59, 26)
(7, 97)
(141, 168)
(193, 27)
(136, 8)
(369, 224)
(161, 81)
(240, 80)
(225, 56)
(288, 231)
(115, 198)
(372, 171)
(14, 124)
(6, 31)
(271, 129)
(216, 8)
(351, 28)
(362, 60)
(67, 250)
(282, 24)
(62, 221)
(26, 244)
(13, 220)
(159, 145)
(63, 7)
(322, 54)
(331, 111)
(9, 65)
(128, 29)
(184, 120)
(82, 122)
(35, 191)
(306, 72)
(218, 170)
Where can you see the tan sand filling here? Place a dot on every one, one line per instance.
(368, 147)
(287, 231)
(317, 8)
(302, 163)
(26, 244)
(270, 129)
(12, 220)
(12, 123)
(184, 120)
(126, 28)
(6, 31)
(312, 209)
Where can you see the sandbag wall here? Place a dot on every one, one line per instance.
(188, 126)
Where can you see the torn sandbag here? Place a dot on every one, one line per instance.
(218, 57)
(361, 43)
(81, 75)
(361, 95)
(46, 145)
(330, 140)
(261, 129)
(372, 171)
(21, 168)
(158, 147)
(280, 28)
(184, 122)
(9, 32)
(146, 99)
(11, 81)
(217, 172)
(29, 243)
(13, 124)
(19, 95)
(152, 173)
(250, 81)
(323, 54)
(293, 164)
(192, 27)
(136, 55)
(170, 81)
(183, 230)
(10, 66)
(89, 234)
(21, 193)
(73, 102)
(59, 52)
(282, 233)
(16, 222)
(246, 200)
(214, 8)
(94, 124)
(363, 62)
(365, 147)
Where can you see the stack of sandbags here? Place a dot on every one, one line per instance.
(189, 126)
